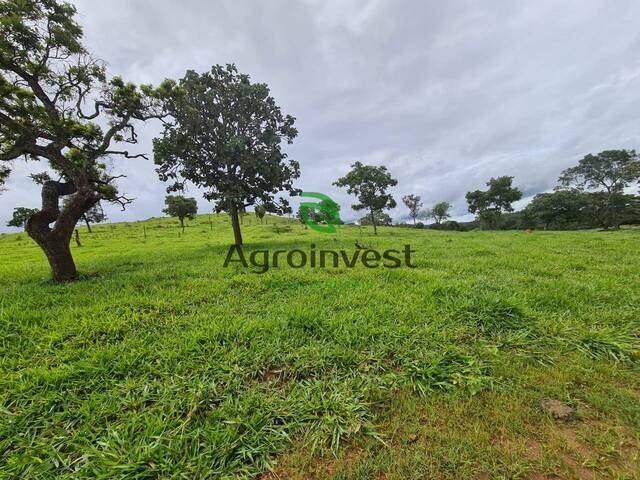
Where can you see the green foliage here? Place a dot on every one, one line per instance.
(612, 170)
(450, 225)
(180, 207)
(439, 212)
(490, 204)
(260, 212)
(609, 171)
(575, 209)
(562, 209)
(226, 136)
(369, 184)
(20, 216)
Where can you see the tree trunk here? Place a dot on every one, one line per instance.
(182, 224)
(373, 221)
(54, 242)
(58, 252)
(235, 223)
(86, 220)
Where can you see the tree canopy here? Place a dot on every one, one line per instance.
(491, 203)
(181, 208)
(369, 184)
(439, 212)
(610, 171)
(20, 216)
(560, 209)
(225, 135)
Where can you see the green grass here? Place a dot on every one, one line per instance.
(160, 363)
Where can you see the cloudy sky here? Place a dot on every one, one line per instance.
(446, 94)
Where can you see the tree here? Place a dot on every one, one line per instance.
(490, 204)
(611, 170)
(260, 212)
(46, 76)
(562, 209)
(180, 207)
(414, 205)
(608, 210)
(439, 212)
(225, 136)
(94, 215)
(20, 216)
(379, 218)
(369, 184)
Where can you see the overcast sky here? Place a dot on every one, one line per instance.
(445, 94)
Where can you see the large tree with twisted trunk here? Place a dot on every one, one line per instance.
(46, 79)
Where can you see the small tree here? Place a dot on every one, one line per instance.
(225, 136)
(369, 184)
(260, 212)
(439, 212)
(180, 207)
(611, 170)
(20, 216)
(414, 205)
(490, 204)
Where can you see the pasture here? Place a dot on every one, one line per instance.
(161, 363)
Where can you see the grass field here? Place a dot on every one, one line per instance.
(161, 363)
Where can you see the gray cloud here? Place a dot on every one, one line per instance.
(446, 94)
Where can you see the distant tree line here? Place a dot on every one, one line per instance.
(590, 195)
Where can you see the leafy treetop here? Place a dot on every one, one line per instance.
(226, 136)
(369, 184)
(612, 170)
(491, 203)
(180, 207)
(439, 212)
